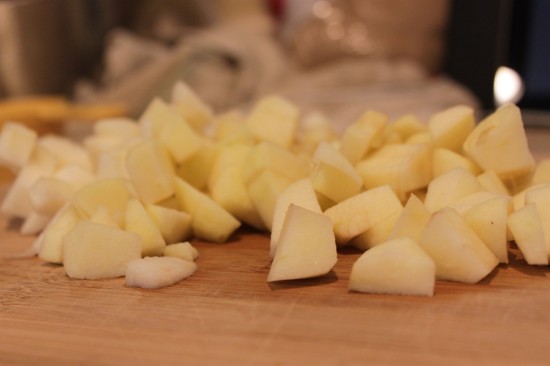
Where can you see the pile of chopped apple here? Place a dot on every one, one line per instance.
(430, 200)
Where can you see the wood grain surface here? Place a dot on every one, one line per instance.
(227, 314)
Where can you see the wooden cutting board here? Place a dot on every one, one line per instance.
(227, 314)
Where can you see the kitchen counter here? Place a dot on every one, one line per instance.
(227, 314)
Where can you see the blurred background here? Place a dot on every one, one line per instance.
(339, 57)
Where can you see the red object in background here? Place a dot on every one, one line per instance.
(276, 8)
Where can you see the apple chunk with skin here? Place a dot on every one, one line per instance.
(306, 247)
(459, 254)
(397, 266)
(93, 251)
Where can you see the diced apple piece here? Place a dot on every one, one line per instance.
(174, 225)
(34, 224)
(459, 254)
(263, 191)
(17, 201)
(66, 151)
(227, 187)
(153, 118)
(420, 138)
(408, 125)
(542, 172)
(333, 175)
(181, 141)
(196, 170)
(274, 119)
(449, 128)
(445, 160)
(306, 247)
(359, 213)
(190, 106)
(499, 143)
(112, 164)
(519, 198)
(299, 193)
(449, 187)
(527, 229)
(363, 135)
(490, 181)
(541, 198)
(315, 128)
(157, 272)
(51, 247)
(48, 195)
(102, 216)
(150, 171)
(93, 251)
(210, 221)
(138, 221)
(17, 143)
(184, 251)
(268, 156)
(397, 266)
(75, 175)
(405, 167)
(226, 124)
(412, 221)
(377, 234)
(110, 193)
(489, 221)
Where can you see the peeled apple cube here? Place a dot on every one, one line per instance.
(210, 221)
(93, 251)
(499, 143)
(190, 106)
(376, 234)
(542, 172)
(157, 272)
(17, 201)
(362, 136)
(306, 247)
(34, 224)
(408, 125)
(184, 251)
(404, 167)
(138, 221)
(196, 169)
(527, 229)
(51, 247)
(263, 191)
(111, 193)
(445, 160)
(360, 212)
(174, 225)
(299, 193)
(459, 254)
(227, 187)
(397, 266)
(268, 156)
(449, 128)
(490, 181)
(541, 198)
(103, 217)
(66, 151)
(274, 119)
(150, 171)
(16, 145)
(412, 220)
(48, 195)
(450, 187)
(333, 175)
